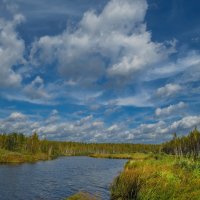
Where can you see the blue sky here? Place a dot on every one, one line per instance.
(99, 70)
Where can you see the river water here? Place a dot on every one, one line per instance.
(59, 178)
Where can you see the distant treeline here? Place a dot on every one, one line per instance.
(180, 146)
(32, 144)
(187, 146)
(18, 142)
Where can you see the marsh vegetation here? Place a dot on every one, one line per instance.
(17, 147)
(167, 171)
(171, 173)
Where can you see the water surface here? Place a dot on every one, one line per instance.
(56, 179)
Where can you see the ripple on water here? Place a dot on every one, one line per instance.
(56, 179)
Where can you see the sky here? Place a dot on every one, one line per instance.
(123, 71)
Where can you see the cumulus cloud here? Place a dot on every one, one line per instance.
(172, 109)
(89, 129)
(86, 129)
(16, 122)
(112, 43)
(150, 132)
(11, 51)
(36, 89)
(188, 122)
(17, 116)
(168, 90)
(140, 100)
(161, 131)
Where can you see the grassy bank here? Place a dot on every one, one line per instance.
(158, 177)
(15, 157)
(153, 177)
(134, 156)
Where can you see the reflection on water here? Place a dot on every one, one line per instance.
(56, 179)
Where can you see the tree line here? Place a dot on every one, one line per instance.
(19, 142)
(186, 146)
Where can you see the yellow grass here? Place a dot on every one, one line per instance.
(156, 178)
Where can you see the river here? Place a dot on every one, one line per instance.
(59, 178)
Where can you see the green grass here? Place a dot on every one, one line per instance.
(15, 157)
(135, 156)
(158, 177)
(82, 196)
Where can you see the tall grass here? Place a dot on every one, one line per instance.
(126, 186)
(158, 178)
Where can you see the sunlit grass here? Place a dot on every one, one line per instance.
(135, 156)
(16, 157)
(158, 178)
(82, 196)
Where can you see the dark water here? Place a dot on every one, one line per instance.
(56, 179)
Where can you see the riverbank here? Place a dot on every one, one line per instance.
(154, 176)
(10, 157)
(134, 156)
(160, 177)
(145, 176)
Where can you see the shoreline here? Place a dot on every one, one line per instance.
(11, 157)
(153, 176)
(143, 174)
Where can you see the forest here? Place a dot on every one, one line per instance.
(184, 146)
(17, 142)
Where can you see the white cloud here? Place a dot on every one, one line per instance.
(139, 100)
(11, 52)
(168, 90)
(23, 98)
(17, 116)
(89, 129)
(188, 64)
(161, 131)
(172, 109)
(150, 131)
(188, 122)
(117, 36)
(36, 89)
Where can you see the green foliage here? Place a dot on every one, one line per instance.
(157, 179)
(20, 148)
(15, 157)
(185, 146)
(32, 145)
